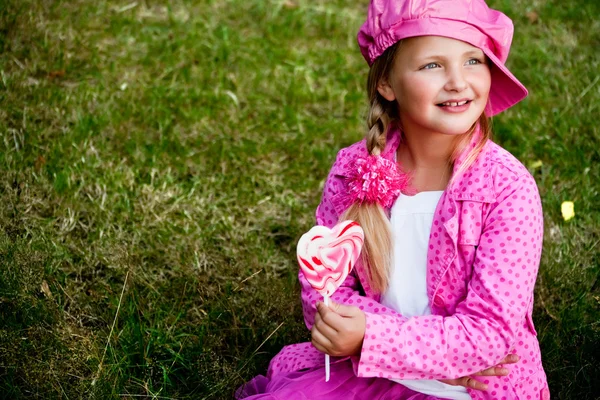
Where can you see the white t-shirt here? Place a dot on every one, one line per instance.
(411, 220)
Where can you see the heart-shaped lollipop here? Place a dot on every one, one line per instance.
(326, 256)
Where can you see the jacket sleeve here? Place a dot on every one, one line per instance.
(486, 324)
(350, 292)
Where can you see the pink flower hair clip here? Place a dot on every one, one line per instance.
(375, 180)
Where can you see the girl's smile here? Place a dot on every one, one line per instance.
(455, 106)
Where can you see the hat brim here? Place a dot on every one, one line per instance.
(506, 90)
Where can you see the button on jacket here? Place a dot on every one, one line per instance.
(482, 262)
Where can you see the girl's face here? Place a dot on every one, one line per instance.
(441, 85)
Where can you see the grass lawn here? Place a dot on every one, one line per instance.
(160, 159)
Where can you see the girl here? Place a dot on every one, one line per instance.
(444, 289)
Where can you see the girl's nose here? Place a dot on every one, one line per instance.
(456, 81)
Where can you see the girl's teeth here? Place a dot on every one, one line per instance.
(452, 104)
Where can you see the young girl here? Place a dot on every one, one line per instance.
(443, 295)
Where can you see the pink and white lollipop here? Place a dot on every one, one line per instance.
(326, 257)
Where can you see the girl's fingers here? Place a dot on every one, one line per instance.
(317, 318)
(325, 329)
(320, 341)
(329, 316)
(466, 381)
(472, 383)
(319, 347)
(493, 371)
(498, 370)
(509, 359)
(323, 326)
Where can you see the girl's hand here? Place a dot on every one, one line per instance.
(470, 382)
(338, 329)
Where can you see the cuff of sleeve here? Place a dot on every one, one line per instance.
(382, 336)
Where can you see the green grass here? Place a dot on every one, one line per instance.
(159, 161)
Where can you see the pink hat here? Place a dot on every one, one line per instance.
(470, 21)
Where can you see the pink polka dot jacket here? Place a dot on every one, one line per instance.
(483, 257)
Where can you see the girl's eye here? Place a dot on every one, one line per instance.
(431, 66)
(473, 61)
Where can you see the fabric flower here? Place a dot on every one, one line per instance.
(375, 180)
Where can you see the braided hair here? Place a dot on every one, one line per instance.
(378, 247)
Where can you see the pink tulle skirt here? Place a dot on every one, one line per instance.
(310, 385)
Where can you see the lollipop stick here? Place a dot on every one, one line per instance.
(326, 301)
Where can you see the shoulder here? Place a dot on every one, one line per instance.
(510, 179)
(493, 175)
(499, 170)
(346, 156)
(335, 200)
(504, 162)
(507, 172)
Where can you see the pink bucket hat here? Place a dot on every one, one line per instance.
(471, 21)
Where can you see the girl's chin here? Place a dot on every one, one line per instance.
(455, 130)
(458, 127)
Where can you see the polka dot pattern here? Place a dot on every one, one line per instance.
(483, 257)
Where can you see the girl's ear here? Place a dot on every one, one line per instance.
(384, 89)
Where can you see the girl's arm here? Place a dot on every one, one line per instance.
(486, 324)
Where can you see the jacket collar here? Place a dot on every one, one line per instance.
(475, 183)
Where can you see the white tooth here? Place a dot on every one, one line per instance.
(462, 103)
(454, 104)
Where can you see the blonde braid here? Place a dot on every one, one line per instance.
(377, 250)
(378, 121)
